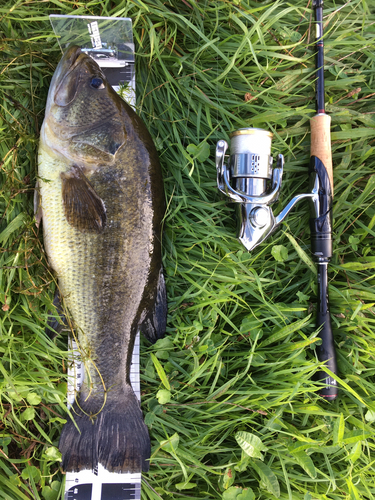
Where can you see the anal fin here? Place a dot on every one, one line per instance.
(155, 320)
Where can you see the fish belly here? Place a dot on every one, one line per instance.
(71, 254)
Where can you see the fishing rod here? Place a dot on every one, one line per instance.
(250, 181)
(321, 223)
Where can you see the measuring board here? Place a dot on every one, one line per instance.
(109, 41)
(99, 484)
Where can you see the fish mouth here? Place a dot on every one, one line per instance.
(71, 57)
(70, 60)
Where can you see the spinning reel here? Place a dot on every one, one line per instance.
(250, 181)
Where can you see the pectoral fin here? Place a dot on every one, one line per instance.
(84, 209)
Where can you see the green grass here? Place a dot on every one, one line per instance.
(238, 358)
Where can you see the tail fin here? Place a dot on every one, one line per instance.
(117, 437)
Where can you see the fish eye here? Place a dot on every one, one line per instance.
(97, 83)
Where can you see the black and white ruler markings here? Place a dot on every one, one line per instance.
(99, 484)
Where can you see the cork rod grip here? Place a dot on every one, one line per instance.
(320, 126)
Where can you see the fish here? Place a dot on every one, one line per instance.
(102, 205)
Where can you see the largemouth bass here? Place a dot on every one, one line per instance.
(102, 202)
